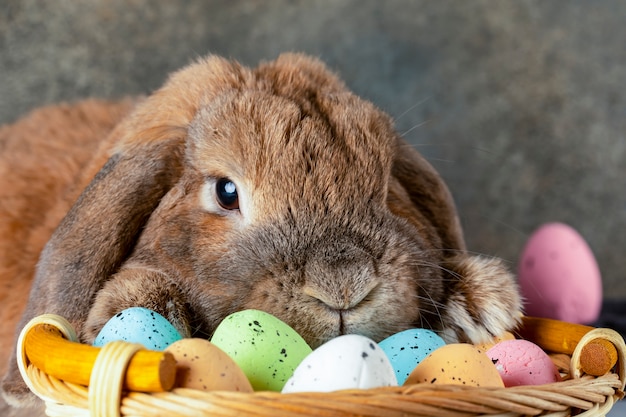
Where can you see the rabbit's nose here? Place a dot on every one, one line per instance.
(341, 292)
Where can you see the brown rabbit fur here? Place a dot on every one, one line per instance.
(338, 226)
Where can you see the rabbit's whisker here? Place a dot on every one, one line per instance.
(418, 125)
(407, 111)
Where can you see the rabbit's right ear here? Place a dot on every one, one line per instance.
(94, 239)
(146, 159)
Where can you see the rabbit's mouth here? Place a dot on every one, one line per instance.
(342, 322)
(318, 322)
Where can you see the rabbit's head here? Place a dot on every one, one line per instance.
(272, 188)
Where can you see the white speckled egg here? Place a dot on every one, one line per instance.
(202, 365)
(408, 348)
(345, 362)
(139, 325)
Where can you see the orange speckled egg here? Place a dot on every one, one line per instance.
(459, 364)
(203, 366)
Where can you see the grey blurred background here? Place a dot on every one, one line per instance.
(521, 105)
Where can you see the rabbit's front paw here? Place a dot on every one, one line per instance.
(484, 301)
(137, 287)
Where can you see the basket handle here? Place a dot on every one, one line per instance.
(50, 344)
(596, 352)
(612, 338)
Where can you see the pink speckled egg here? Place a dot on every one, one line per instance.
(559, 277)
(521, 362)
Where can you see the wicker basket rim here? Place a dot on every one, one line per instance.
(596, 395)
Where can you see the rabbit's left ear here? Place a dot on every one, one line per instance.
(429, 195)
(481, 296)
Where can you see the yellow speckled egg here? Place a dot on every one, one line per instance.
(459, 364)
(488, 345)
(203, 366)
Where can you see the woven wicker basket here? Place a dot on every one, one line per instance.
(111, 370)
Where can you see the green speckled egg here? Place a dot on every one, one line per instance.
(265, 348)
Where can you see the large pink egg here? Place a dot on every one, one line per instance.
(559, 277)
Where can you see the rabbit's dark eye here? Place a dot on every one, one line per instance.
(226, 192)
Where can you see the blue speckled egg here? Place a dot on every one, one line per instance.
(408, 348)
(139, 325)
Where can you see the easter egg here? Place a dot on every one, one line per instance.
(265, 348)
(458, 364)
(521, 362)
(408, 348)
(559, 277)
(203, 366)
(488, 345)
(345, 362)
(139, 325)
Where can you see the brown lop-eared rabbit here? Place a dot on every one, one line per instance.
(273, 188)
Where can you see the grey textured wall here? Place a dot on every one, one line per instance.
(521, 105)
